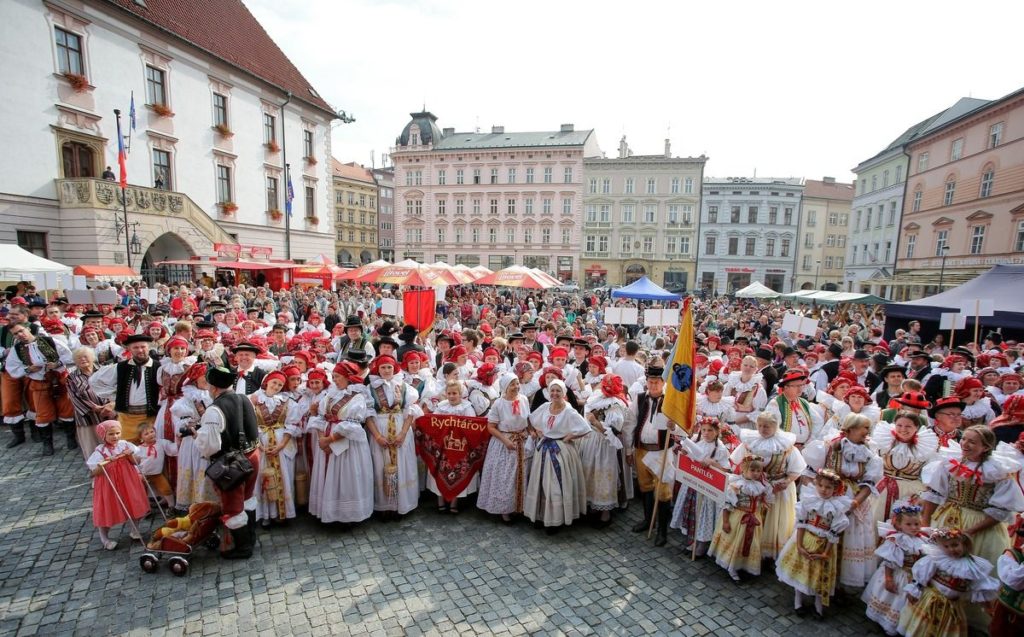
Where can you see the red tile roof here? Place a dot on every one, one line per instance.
(351, 170)
(226, 30)
(828, 190)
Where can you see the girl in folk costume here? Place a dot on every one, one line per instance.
(793, 413)
(107, 351)
(556, 492)
(415, 373)
(122, 481)
(170, 376)
(1008, 613)
(558, 357)
(697, 523)
(529, 378)
(902, 546)
(856, 401)
(905, 446)
(279, 423)
(503, 477)
(978, 408)
(597, 366)
(192, 484)
(943, 583)
(605, 412)
(1008, 385)
(737, 542)
(746, 387)
(783, 464)
(453, 405)
(810, 558)
(460, 357)
(158, 332)
(392, 411)
(850, 457)
(481, 389)
(341, 476)
(711, 404)
(835, 395)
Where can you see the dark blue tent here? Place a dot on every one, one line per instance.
(644, 289)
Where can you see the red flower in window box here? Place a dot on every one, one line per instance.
(228, 207)
(223, 130)
(275, 214)
(78, 82)
(162, 110)
(313, 221)
(272, 146)
(311, 161)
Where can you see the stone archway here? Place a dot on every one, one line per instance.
(807, 286)
(365, 257)
(167, 247)
(633, 272)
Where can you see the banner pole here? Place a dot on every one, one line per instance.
(661, 475)
(696, 516)
(977, 319)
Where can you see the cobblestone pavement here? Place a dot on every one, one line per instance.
(429, 573)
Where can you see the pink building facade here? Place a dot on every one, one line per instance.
(492, 199)
(964, 207)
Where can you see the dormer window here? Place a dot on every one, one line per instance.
(414, 139)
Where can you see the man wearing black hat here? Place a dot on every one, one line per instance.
(947, 417)
(354, 338)
(249, 376)
(132, 386)
(530, 334)
(920, 365)
(580, 355)
(862, 368)
(229, 424)
(408, 337)
(443, 344)
(892, 383)
(828, 369)
(769, 376)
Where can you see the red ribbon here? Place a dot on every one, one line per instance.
(515, 406)
(958, 468)
(750, 520)
(891, 487)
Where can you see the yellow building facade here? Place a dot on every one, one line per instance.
(355, 213)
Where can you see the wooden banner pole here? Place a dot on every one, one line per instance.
(658, 481)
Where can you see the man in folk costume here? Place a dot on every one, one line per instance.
(530, 333)
(43, 362)
(354, 338)
(645, 431)
(920, 365)
(249, 375)
(229, 424)
(133, 386)
(14, 391)
(792, 410)
(828, 369)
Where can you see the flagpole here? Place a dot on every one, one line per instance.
(124, 195)
(287, 178)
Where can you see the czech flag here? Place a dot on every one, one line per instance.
(122, 159)
(680, 403)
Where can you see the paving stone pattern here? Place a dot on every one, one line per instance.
(427, 574)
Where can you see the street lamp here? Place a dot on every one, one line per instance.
(134, 245)
(944, 250)
(817, 271)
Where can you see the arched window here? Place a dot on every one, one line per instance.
(79, 160)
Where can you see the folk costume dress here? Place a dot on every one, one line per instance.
(503, 477)
(781, 459)
(749, 398)
(276, 416)
(171, 377)
(944, 587)
(464, 408)
(106, 510)
(823, 521)
(193, 485)
(1008, 614)
(395, 480)
(556, 493)
(799, 417)
(739, 549)
(599, 452)
(696, 517)
(341, 478)
(897, 552)
(841, 409)
(902, 465)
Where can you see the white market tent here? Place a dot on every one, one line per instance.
(757, 290)
(16, 262)
(832, 298)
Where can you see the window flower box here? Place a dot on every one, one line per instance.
(223, 130)
(228, 208)
(162, 110)
(78, 82)
(272, 147)
(275, 215)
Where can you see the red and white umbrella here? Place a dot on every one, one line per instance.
(517, 276)
(362, 270)
(416, 274)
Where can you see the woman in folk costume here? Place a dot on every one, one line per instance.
(192, 486)
(170, 376)
(453, 405)
(905, 447)
(415, 373)
(341, 475)
(305, 389)
(979, 409)
(280, 422)
(481, 389)
(835, 395)
(809, 560)
(503, 477)
(849, 455)
(392, 411)
(737, 543)
(597, 367)
(746, 388)
(783, 465)
(793, 413)
(693, 515)
(159, 334)
(1007, 385)
(558, 357)
(856, 401)
(547, 375)
(605, 412)
(556, 493)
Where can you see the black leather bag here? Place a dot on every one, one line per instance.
(232, 468)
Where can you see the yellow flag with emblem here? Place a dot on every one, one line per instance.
(680, 403)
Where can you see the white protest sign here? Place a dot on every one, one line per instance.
(952, 321)
(613, 315)
(93, 297)
(796, 324)
(630, 316)
(150, 296)
(978, 307)
(391, 307)
(652, 318)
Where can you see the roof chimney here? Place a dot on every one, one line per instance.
(497, 130)
(445, 132)
(668, 148)
(568, 128)
(829, 180)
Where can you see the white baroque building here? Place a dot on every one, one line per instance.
(748, 232)
(219, 112)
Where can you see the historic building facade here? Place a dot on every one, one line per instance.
(748, 232)
(640, 218)
(355, 213)
(385, 178)
(824, 222)
(964, 208)
(490, 199)
(213, 129)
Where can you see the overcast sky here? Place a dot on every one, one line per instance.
(802, 89)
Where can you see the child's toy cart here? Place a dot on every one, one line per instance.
(178, 539)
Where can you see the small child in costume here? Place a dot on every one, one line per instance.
(737, 542)
(116, 458)
(453, 405)
(695, 517)
(151, 456)
(809, 560)
(903, 544)
(945, 581)
(1008, 615)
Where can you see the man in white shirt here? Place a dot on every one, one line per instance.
(133, 387)
(627, 367)
(44, 361)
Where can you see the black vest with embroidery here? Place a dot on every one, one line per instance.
(126, 376)
(239, 415)
(46, 348)
(254, 380)
(643, 412)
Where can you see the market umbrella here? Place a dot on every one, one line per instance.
(460, 275)
(416, 274)
(362, 270)
(517, 276)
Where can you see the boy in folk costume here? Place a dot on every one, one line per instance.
(747, 389)
(792, 411)
(43, 362)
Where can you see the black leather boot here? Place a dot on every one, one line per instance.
(33, 431)
(18, 431)
(251, 525)
(661, 535)
(69, 434)
(47, 435)
(243, 539)
(648, 501)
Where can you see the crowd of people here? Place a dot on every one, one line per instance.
(856, 465)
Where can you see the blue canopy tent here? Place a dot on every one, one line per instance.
(643, 289)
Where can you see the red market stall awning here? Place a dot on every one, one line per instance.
(106, 272)
(236, 265)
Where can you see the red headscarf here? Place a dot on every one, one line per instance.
(612, 387)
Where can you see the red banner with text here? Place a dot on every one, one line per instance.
(453, 448)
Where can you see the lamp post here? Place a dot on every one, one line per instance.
(817, 271)
(942, 271)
